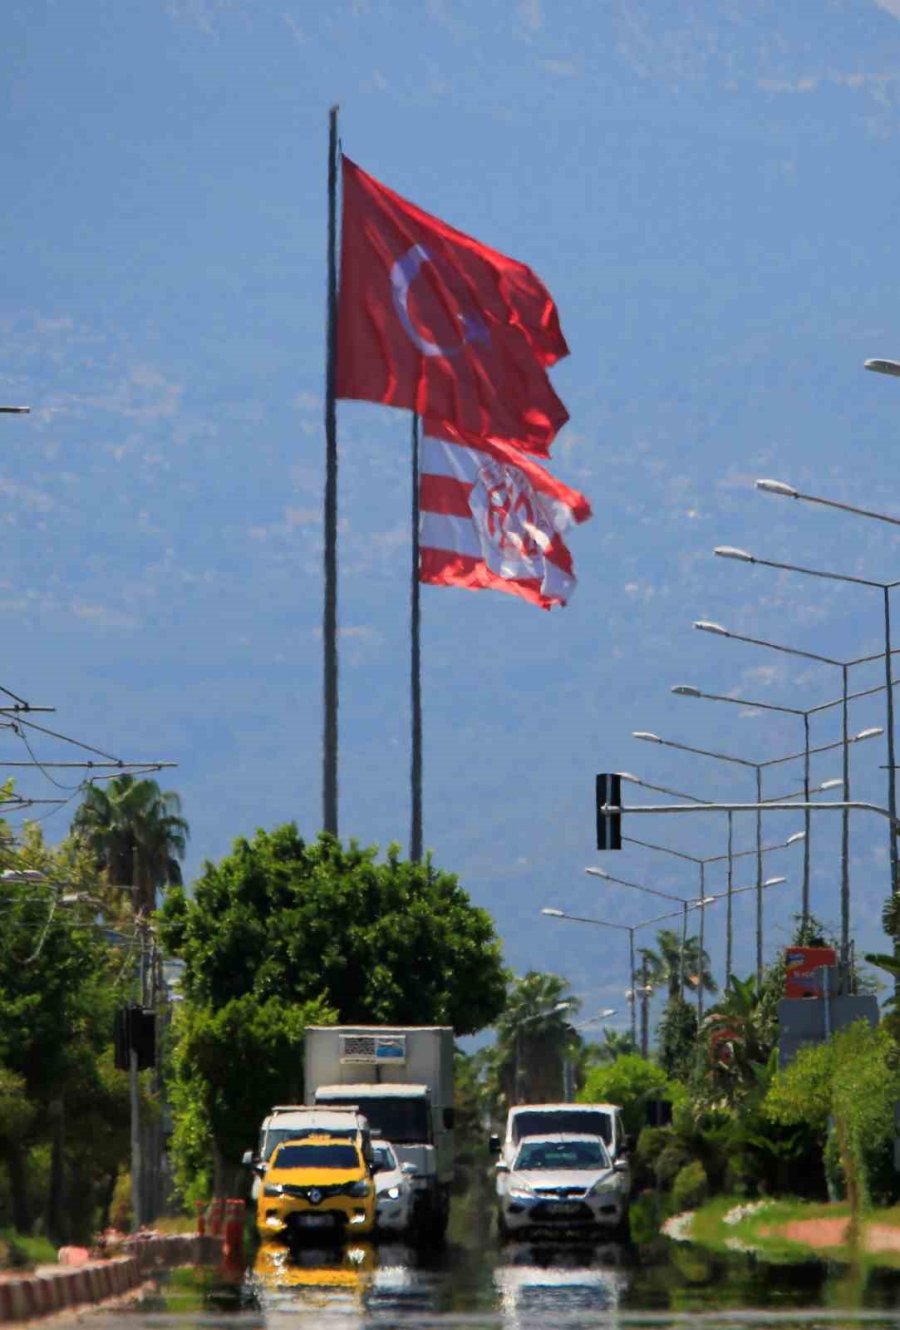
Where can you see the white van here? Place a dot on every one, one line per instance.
(603, 1120)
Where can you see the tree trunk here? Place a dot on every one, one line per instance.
(226, 1175)
(56, 1204)
(14, 1154)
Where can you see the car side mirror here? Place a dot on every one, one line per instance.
(449, 1118)
(248, 1159)
(501, 1167)
(494, 1143)
(620, 1166)
(409, 1169)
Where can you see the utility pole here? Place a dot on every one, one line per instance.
(645, 1010)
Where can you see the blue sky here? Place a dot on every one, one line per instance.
(710, 191)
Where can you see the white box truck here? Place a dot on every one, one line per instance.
(401, 1079)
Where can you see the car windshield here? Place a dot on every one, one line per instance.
(404, 1121)
(562, 1155)
(588, 1120)
(276, 1135)
(316, 1156)
(385, 1157)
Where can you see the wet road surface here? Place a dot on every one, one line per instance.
(475, 1282)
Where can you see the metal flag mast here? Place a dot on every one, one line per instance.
(329, 616)
(415, 663)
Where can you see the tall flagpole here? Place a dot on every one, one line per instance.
(329, 617)
(415, 662)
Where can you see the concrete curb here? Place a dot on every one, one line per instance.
(53, 1288)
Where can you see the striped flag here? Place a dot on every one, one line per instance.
(492, 519)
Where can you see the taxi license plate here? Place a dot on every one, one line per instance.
(315, 1221)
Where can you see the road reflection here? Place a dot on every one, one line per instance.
(525, 1285)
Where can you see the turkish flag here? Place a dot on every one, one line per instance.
(433, 321)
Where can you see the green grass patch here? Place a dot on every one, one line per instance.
(19, 1252)
(758, 1230)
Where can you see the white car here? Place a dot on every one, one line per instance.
(566, 1182)
(394, 1194)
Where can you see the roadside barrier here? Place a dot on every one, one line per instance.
(51, 1288)
(233, 1233)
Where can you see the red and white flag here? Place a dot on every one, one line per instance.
(431, 320)
(491, 518)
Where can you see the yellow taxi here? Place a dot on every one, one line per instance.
(319, 1186)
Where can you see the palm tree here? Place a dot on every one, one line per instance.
(616, 1044)
(535, 1038)
(741, 1033)
(665, 964)
(137, 834)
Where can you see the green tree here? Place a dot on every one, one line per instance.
(280, 934)
(380, 943)
(230, 1066)
(535, 1038)
(852, 1080)
(57, 998)
(628, 1082)
(741, 1032)
(677, 1039)
(137, 834)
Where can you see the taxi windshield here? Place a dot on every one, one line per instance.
(327, 1155)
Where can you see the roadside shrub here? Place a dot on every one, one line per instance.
(691, 1187)
(120, 1208)
(18, 1252)
(650, 1144)
(670, 1162)
(627, 1082)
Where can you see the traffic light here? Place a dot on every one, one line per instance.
(135, 1029)
(609, 825)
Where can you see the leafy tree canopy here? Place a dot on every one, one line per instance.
(379, 942)
(628, 1082)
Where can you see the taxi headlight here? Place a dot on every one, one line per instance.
(273, 1189)
(360, 1188)
(605, 1186)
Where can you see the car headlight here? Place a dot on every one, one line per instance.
(604, 1186)
(393, 1193)
(273, 1189)
(520, 1191)
(360, 1188)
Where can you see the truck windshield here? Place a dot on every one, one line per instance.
(586, 1121)
(562, 1155)
(317, 1156)
(403, 1121)
(276, 1135)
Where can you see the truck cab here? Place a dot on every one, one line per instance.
(603, 1120)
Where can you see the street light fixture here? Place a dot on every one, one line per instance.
(804, 713)
(726, 551)
(758, 767)
(553, 913)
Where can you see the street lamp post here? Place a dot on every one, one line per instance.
(742, 556)
(631, 929)
(729, 857)
(758, 768)
(685, 690)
